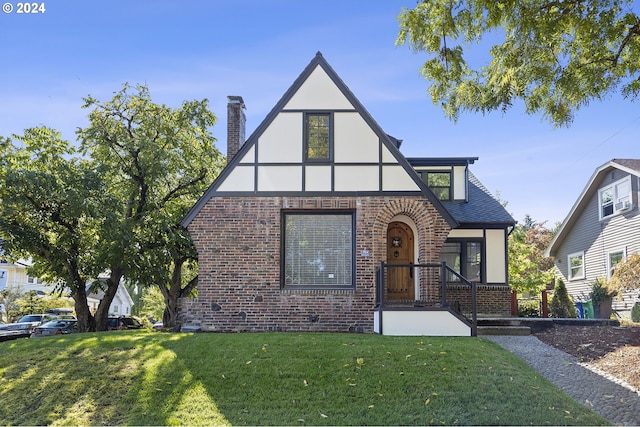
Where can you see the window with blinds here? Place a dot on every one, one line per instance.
(318, 250)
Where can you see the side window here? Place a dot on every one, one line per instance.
(575, 262)
(465, 258)
(614, 258)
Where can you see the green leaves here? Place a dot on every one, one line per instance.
(115, 204)
(554, 56)
(48, 208)
(529, 270)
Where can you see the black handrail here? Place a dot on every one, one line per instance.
(474, 295)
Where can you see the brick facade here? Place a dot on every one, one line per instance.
(239, 245)
(492, 300)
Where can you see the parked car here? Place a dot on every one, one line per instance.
(61, 313)
(29, 322)
(124, 322)
(55, 327)
(23, 327)
(158, 325)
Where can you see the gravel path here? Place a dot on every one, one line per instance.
(611, 398)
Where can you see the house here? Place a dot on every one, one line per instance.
(319, 223)
(122, 301)
(601, 230)
(14, 276)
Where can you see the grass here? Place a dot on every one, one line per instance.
(147, 378)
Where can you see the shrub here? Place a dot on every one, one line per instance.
(635, 312)
(601, 291)
(561, 303)
(529, 308)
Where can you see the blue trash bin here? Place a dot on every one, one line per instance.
(580, 309)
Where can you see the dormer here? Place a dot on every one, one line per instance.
(447, 178)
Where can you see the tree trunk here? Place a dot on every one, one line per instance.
(172, 294)
(86, 321)
(102, 313)
(175, 291)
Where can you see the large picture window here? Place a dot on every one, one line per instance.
(318, 250)
(465, 258)
(318, 136)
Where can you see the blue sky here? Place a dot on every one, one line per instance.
(195, 49)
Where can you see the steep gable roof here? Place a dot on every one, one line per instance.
(384, 169)
(631, 166)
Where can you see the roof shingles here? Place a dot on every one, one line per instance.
(481, 207)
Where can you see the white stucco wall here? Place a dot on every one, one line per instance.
(318, 92)
(496, 259)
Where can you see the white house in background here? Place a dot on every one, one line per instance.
(15, 276)
(121, 304)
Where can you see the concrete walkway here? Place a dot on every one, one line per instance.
(611, 398)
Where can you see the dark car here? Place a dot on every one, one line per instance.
(124, 322)
(55, 327)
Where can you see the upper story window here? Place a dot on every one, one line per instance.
(439, 182)
(615, 198)
(317, 136)
(576, 265)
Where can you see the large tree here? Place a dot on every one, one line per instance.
(555, 56)
(52, 206)
(529, 269)
(156, 161)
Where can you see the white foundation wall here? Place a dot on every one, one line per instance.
(418, 323)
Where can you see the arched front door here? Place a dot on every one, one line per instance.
(400, 282)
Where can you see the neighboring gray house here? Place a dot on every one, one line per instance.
(601, 230)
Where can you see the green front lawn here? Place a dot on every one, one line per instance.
(150, 378)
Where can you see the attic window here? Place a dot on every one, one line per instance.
(439, 182)
(318, 136)
(615, 198)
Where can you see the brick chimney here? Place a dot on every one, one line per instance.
(235, 125)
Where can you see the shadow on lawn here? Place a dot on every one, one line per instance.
(139, 378)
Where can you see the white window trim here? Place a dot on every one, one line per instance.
(616, 197)
(624, 257)
(573, 255)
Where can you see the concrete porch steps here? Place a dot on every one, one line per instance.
(504, 330)
(528, 325)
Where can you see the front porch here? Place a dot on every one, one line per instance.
(424, 299)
